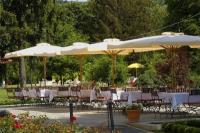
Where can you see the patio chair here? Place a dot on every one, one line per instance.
(146, 99)
(102, 96)
(194, 102)
(63, 95)
(75, 93)
(84, 97)
(10, 93)
(34, 94)
(119, 98)
(162, 89)
(18, 94)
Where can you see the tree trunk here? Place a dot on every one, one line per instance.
(22, 72)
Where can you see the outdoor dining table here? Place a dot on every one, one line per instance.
(176, 99)
(134, 96)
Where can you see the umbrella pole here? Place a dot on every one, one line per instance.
(136, 72)
(31, 71)
(113, 69)
(81, 68)
(45, 70)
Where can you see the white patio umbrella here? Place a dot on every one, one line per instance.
(168, 41)
(41, 50)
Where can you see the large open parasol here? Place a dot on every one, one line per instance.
(41, 49)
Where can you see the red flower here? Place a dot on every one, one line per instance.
(17, 125)
(72, 119)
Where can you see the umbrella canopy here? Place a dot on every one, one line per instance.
(78, 48)
(135, 65)
(41, 49)
(167, 39)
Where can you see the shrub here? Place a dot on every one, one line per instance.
(167, 127)
(181, 128)
(134, 106)
(196, 130)
(193, 123)
(188, 130)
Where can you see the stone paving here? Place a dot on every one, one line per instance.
(84, 118)
(93, 117)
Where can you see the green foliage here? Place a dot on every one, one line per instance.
(149, 75)
(36, 21)
(63, 67)
(179, 10)
(191, 126)
(121, 71)
(125, 19)
(134, 106)
(99, 69)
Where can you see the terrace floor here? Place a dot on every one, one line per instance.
(88, 117)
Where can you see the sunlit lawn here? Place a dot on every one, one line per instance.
(4, 98)
(3, 95)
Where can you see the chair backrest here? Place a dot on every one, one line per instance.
(85, 93)
(18, 92)
(75, 90)
(195, 92)
(33, 93)
(162, 89)
(10, 92)
(104, 88)
(146, 90)
(113, 91)
(63, 88)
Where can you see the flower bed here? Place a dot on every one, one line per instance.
(191, 126)
(24, 123)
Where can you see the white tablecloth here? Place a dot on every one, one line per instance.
(117, 96)
(175, 99)
(194, 99)
(134, 96)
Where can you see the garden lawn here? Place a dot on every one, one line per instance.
(4, 98)
(3, 95)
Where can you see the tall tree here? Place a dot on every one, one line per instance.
(184, 17)
(126, 19)
(185, 13)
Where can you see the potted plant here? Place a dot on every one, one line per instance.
(133, 112)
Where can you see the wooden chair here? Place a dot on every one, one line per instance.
(63, 95)
(10, 93)
(75, 93)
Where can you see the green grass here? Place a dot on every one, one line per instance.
(3, 95)
(4, 100)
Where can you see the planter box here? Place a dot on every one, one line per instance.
(133, 115)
